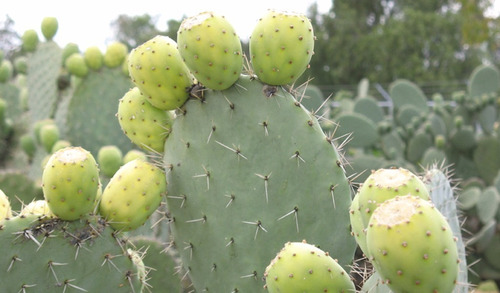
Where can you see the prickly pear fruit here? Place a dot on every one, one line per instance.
(60, 144)
(6, 70)
(30, 40)
(70, 182)
(28, 144)
(381, 185)
(302, 267)
(281, 46)
(76, 65)
(412, 246)
(211, 49)
(132, 195)
(37, 208)
(115, 54)
(69, 50)
(134, 154)
(93, 57)
(49, 27)
(145, 125)
(49, 135)
(157, 69)
(110, 159)
(5, 209)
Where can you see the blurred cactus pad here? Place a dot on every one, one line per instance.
(210, 162)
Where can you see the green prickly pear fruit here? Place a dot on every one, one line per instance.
(28, 144)
(39, 125)
(93, 58)
(30, 40)
(49, 135)
(5, 209)
(412, 246)
(6, 71)
(145, 125)
(49, 27)
(69, 50)
(37, 208)
(132, 195)
(157, 69)
(302, 267)
(381, 185)
(211, 49)
(70, 181)
(21, 65)
(60, 144)
(115, 54)
(134, 154)
(76, 65)
(110, 159)
(281, 46)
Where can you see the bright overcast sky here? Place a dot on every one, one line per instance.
(87, 22)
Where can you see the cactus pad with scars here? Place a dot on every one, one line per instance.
(70, 182)
(41, 255)
(249, 169)
(157, 69)
(211, 49)
(302, 267)
(281, 46)
(412, 247)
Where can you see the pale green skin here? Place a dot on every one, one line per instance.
(157, 69)
(93, 58)
(374, 192)
(70, 183)
(49, 135)
(281, 46)
(49, 27)
(301, 267)
(211, 49)
(110, 159)
(145, 125)
(30, 40)
(76, 65)
(132, 195)
(115, 54)
(415, 250)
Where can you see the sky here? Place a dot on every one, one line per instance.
(87, 22)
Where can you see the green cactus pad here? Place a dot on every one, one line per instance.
(57, 256)
(281, 46)
(380, 186)
(417, 145)
(19, 188)
(302, 267)
(484, 79)
(362, 130)
(405, 92)
(70, 182)
(248, 170)
(49, 27)
(486, 158)
(487, 205)
(157, 69)
(132, 195)
(412, 246)
(145, 125)
(211, 49)
(369, 107)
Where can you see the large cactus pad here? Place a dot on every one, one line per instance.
(248, 169)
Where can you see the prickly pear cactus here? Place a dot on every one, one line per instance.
(40, 255)
(249, 169)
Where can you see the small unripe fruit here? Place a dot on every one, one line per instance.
(49, 27)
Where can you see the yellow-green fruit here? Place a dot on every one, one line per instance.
(281, 46)
(110, 159)
(70, 181)
(157, 69)
(301, 267)
(211, 49)
(132, 195)
(49, 135)
(134, 154)
(76, 65)
(60, 144)
(37, 208)
(115, 54)
(49, 27)
(93, 57)
(30, 40)
(412, 246)
(5, 209)
(69, 50)
(6, 70)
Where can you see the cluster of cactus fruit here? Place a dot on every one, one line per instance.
(246, 192)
